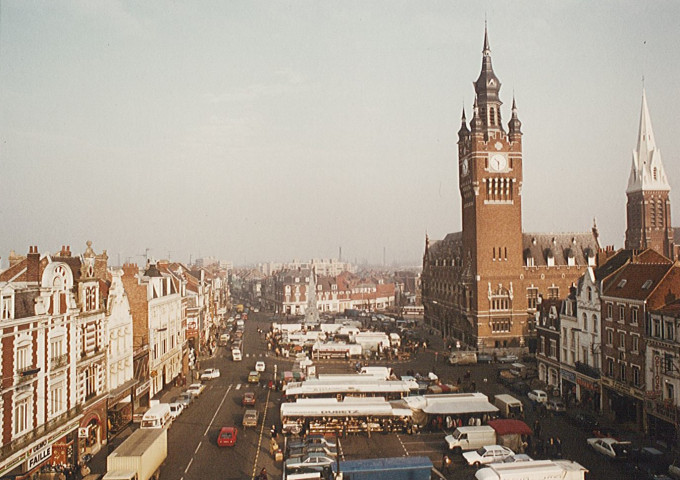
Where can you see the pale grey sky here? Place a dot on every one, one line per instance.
(262, 130)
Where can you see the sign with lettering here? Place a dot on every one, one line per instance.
(39, 457)
(82, 432)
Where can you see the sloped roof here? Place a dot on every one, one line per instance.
(560, 246)
(448, 247)
(613, 263)
(629, 281)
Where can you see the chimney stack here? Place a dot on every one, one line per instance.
(33, 265)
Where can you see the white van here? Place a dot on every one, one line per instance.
(535, 470)
(236, 354)
(470, 438)
(509, 406)
(157, 416)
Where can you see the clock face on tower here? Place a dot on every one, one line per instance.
(498, 162)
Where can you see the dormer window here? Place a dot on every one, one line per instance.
(622, 283)
(647, 285)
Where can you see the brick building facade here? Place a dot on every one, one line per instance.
(481, 285)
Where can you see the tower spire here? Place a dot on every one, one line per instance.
(647, 172)
(487, 88)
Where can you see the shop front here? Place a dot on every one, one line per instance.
(119, 410)
(49, 455)
(621, 405)
(568, 387)
(662, 420)
(92, 431)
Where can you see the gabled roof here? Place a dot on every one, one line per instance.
(635, 281)
(613, 263)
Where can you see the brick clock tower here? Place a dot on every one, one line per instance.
(648, 208)
(490, 169)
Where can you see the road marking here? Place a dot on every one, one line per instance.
(259, 440)
(218, 409)
(403, 446)
(191, 460)
(197, 447)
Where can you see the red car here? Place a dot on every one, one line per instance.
(227, 437)
(248, 399)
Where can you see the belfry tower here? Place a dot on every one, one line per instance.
(648, 219)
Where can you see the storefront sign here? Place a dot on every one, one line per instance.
(587, 384)
(39, 457)
(570, 376)
(143, 388)
(82, 432)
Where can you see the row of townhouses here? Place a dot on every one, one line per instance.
(85, 346)
(612, 345)
(287, 292)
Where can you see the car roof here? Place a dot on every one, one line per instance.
(228, 429)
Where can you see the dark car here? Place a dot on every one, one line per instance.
(582, 420)
(248, 399)
(519, 387)
(484, 358)
(649, 463)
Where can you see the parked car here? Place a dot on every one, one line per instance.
(176, 409)
(538, 396)
(250, 418)
(210, 373)
(519, 387)
(556, 406)
(518, 457)
(650, 463)
(185, 398)
(610, 447)
(227, 437)
(311, 460)
(583, 420)
(487, 454)
(254, 377)
(484, 358)
(297, 450)
(259, 366)
(317, 438)
(508, 358)
(196, 389)
(248, 399)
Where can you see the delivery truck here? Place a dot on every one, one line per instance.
(139, 457)
(509, 406)
(398, 468)
(536, 470)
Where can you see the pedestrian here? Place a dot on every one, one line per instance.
(446, 463)
(537, 428)
(558, 447)
(263, 474)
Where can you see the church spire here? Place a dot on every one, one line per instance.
(647, 172)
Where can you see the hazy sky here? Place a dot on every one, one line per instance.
(262, 130)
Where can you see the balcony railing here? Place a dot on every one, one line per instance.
(41, 430)
(586, 369)
(27, 374)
